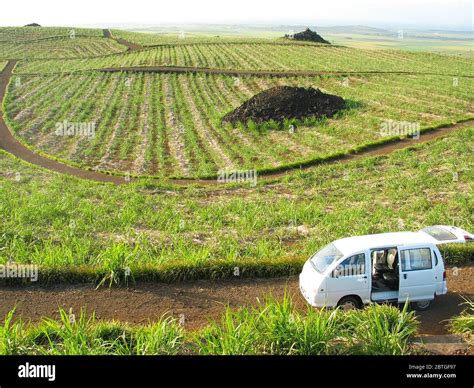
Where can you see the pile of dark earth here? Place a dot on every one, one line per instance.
(308, 36)
(33, 25)
(286, 102)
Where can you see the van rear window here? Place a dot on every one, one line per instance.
(439, 234)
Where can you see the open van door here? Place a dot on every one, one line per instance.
(417, 275)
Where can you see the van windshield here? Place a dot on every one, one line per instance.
(322, 259)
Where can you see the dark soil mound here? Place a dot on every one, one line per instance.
(286, 102)
(309, 36)
(33, 25)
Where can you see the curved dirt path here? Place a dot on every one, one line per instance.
(197, 302)
(130, 46)
(10, 144)
(231, 72)
(259, 73)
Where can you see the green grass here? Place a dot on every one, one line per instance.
(12, 339)
(442, 43)
(63, 47)
(264, 56)
(24, 34)
(34, 105)
(78, 230)
(458, 254)
(271, 328)
(274, 328)
(452, 43)
(382, 330)
(463, 324)
(181, 36)
(170, 125)
(84, 335)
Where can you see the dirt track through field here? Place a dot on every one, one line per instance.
(10, 144)
(197, 302)
(261, 73)
(130, 46)
(231, 72)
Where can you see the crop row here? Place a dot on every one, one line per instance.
(190, 37)
(21, 34)
(170, 125)
(253, 56)
(60, 48)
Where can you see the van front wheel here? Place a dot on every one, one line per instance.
(349, 303)
(422, 305)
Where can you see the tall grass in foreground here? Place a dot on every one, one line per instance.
(84, 335)
(277, 328)
(116, 265)
(11, 336)
(271, 328)
(464, 323)
(382, 330)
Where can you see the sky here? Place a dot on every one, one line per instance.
(455, 14)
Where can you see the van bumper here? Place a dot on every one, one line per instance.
(445, 288)
(307, 289)
(315, 300)
(443, 291)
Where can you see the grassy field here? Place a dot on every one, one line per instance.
(170, 125)
(23, 34)
(164, 125)
(443, 42)
(449, 45)
(181, 36)
(265, 56)
(76, 229)
(361, 37)
(62, 47)
(167, 125)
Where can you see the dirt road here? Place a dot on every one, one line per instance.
(260, 73)
(197, 302)
(10, 144)
(130, 46)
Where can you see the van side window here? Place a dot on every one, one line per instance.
(416, 259)
(436, 258)
(352, 266)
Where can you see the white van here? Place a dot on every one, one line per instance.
(390, 267)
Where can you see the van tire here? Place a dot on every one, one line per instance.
(422, 305)
(349, 303)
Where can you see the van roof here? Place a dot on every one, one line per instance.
(360, 243)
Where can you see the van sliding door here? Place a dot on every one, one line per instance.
(417, 275)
